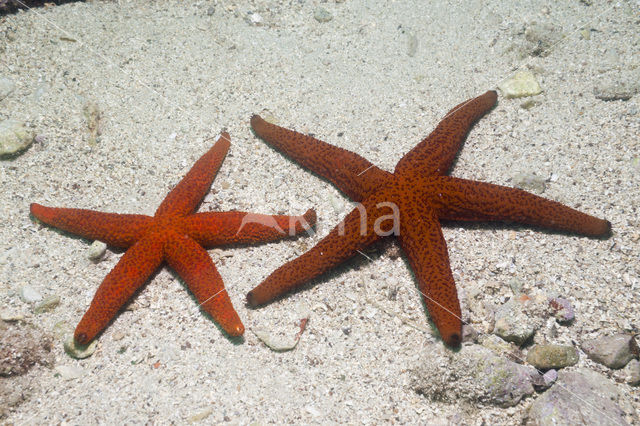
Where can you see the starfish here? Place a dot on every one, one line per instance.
(176, 235)
(410, 203)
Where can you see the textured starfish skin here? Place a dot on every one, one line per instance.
(176, 235)
(423, 196)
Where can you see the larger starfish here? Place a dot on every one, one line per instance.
(175, 235)
(410, 203)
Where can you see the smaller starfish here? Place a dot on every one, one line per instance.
(175, 235)
(410, 203)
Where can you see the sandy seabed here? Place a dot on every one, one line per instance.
(168, 76)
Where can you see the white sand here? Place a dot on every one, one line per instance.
(167, 77)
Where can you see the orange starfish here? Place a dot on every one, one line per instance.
(410, 203)
(174, 234)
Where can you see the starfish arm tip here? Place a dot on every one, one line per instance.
(453, 340)
(251, 299)
(235, 330)
(81, 338)
(36, 209)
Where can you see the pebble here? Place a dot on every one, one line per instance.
(530, 181)
(96, 250)
(7, 86)
(631, 373)
(520, 85)
(198, 417)
(500, 347)
(254, 19)
(48, 304)
(513, 324)
(617, 90)
(79, 352)
(546, 380)
(474, 374)
(322, 15)
(550, 377)
(582, 397)
(10, 316)
(469, 334)
(14, 137)
(28, 294)
(613, 351)
(562, 309)
(69, 372)
(541, 38)
(545, 357)
(275, 342)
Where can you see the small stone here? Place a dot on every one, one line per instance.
(550, 377)
(96, 250)
(544, 381)
(499, 346)
(540, 39)
(10, 316)
(7, 86)
(521, 84)
(14, 137)
(322, 15)
(196, 418)
(28, 294)
(613, 351)
(69, 372)
(562, 309)
(469, 334)
(618, 90)
(255, 19)
(277, 343)
(513, 324)
(582, 397)
(545, 357)
(631, 373)
(48, 304)
(474, 375)
(530, 181)
(79, 351)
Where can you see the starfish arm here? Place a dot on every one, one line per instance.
(188, 193)
(470, 200)
(117, 230)
(422, 241)
(131, 271)
(195, 267)
(215, 228)
(355, 176)
(354, 233)
(435, 154)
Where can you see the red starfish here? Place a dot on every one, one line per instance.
(410, 203)
(174, 234)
